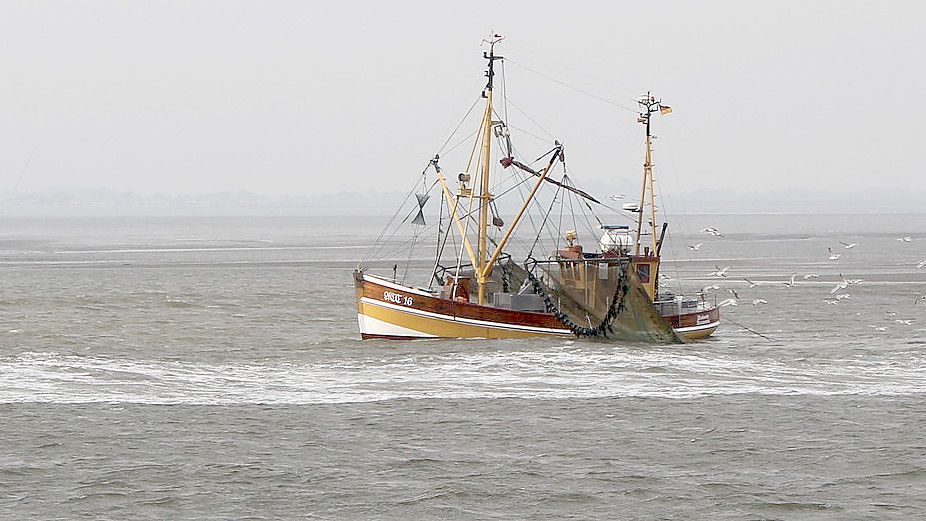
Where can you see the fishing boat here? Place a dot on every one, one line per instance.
(490, 279)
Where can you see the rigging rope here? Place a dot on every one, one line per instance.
(604, 83)
(460, 124)
(573, 87)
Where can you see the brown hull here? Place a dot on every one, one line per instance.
(389, 310)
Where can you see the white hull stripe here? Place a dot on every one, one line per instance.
(697, 328)
(393, 285)
(470, 321)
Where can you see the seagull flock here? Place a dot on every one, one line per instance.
(838, 293)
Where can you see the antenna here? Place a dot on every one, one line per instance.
(490, 72)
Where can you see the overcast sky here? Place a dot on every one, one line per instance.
(308, 98)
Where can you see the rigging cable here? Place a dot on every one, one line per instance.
(440, 244)
(532, 120)
(542, 223)
(604, 83)
(573, 87)
(375, 251)
(25, 167)
(678, 283)
(460, 124)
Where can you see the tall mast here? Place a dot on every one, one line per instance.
(484, 196)
(649, 104)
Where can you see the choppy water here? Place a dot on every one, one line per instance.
(209, 368)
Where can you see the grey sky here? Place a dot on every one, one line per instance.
(307, 98)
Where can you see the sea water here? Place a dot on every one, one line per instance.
(210, 367)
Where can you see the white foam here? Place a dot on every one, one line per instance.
(556, 373)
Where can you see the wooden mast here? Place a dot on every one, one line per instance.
(485, 197)
(649, 105)
(648, 263)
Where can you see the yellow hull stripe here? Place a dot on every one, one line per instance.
(441, 327)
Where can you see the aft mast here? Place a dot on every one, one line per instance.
(648, 262)
(649, 104)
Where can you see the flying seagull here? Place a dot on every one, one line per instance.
(833, 256)
(758, 301)
(842, 296)
(921, 265)
(733, 292)
(712, 231)
(790, 283)
(849, 246)
(710, 287)
(727, 302)
(849, 281)
(751, 283)
(905, 238)
(721, 272)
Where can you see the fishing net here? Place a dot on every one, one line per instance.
(601, 300)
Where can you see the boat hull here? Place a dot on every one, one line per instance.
(392, 311)
(697, 325)
(387, 310)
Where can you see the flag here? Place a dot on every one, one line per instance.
(664, 109)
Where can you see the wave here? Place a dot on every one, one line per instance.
(552, 373)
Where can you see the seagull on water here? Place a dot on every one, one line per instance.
(811, 276)
(906, 322)
(710, 287)
(905, 238)
(831, 301)
(833, 256)
(695, 247)
(616, 197)
(721, 272)
(842, 296)
(758, 301)
(712, 231)
(727, 302)
(848, 245)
